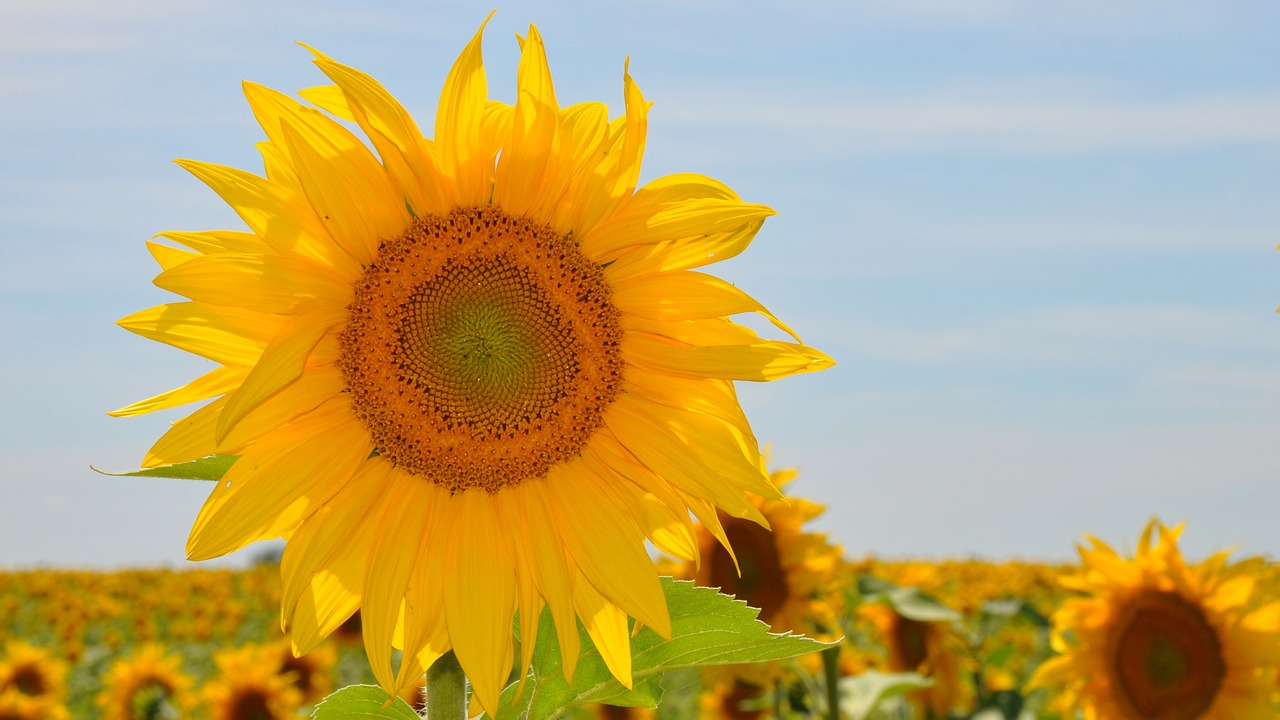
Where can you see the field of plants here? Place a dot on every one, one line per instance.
(207, 643)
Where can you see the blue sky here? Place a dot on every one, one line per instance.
(1037, 236)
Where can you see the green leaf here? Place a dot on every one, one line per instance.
(707, 628)
(212, 467)
(1014, 608)
(861, 694)
(362, 701)
(909, 602)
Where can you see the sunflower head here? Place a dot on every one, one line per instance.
(32, 671)
(467, 376)
(1155, 637)
(931, 648)
(144, 684)
(249, 686)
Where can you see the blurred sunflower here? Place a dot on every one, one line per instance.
(468, 375)
(247, 685)
(791, 575)
(1155, 637)
(731, 698)
(148, 684)
(32, 671)
(928, 647)
(619, 712)
(311, 674)
(15, 705)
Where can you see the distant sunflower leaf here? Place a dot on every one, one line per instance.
(860, 695)
(212, 467)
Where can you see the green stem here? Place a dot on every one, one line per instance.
(831, 672)
(446, 690)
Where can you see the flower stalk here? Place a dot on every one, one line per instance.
(446, 692)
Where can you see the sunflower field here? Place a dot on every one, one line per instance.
(909, 638)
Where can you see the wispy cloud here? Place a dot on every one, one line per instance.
(994, 119)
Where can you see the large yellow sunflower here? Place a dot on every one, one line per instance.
(1158, 639)
(137, 686)
(465, 376)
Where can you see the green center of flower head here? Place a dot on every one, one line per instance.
(481, 349)
(1168, 658)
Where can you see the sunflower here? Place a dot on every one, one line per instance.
(789, 574)
(33, 671)
(248, 686)
(1156, 637)
(928, 647)
(466, 376)
(16, 705)
(148, 684)
(311, 674)
(731, 698)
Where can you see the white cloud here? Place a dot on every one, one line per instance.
(1006, 119)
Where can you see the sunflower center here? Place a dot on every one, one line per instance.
(763, 581)
(30, 680)
(252, 705)
(910, 638)
(481, 349)
(1168, 658)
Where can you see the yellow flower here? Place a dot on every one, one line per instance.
(135, 687)
(15, 705)
(467, 376)
(33, 671)
(928, 647)
(1155, 637)
(249, 685)
(311, 674)
(730, 698)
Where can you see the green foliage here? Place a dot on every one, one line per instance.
(212, 467)
(363, 701)
(707, 628)
(909, 602)
(861, 694)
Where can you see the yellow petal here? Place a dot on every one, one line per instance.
(426, 637)
(266, 283)
(606, 624)
(215, 382)
(532, 144)
(281, 363)
(329, 98)
(395, 546)
(322, 538)
(230, 336)
(606, 544)
(169, 257)
(214, 241)
(759, 361)
(480, 603)
(394, 134)
(460, 123)
(276, 484)
(687, 296)
(615, 178)
(281, 217)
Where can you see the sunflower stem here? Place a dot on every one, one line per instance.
(446, 692)
(831, 672)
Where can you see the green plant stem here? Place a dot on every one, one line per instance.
(446, 689)
(831, 672)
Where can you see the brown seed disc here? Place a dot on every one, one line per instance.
(1166, 658)
(481, 349)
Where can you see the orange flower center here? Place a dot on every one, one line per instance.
(481, 349)
(1167, 658)
(763, 581)
(30, 680)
